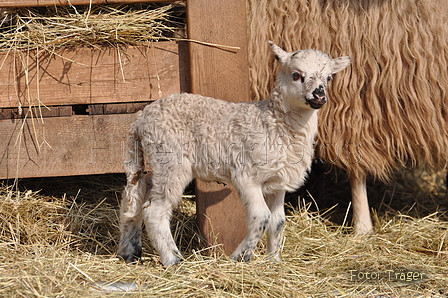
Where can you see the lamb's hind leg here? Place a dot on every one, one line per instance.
(258, 219)
(130, 245)
(276, 205)
(165, 195)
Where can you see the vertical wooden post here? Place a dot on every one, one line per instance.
(221, 73)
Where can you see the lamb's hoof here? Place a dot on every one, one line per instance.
(172, 262)
(131, 258)
(360, 231)
(244, 257)
(274, 257)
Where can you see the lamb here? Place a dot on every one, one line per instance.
(263, 148)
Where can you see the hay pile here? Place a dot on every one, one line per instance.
(65, 247)
(51, 28)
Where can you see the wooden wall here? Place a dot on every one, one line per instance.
(69, 96)
(68, 114)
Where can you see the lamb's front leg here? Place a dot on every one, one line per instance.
(275, 230)
(258, 218)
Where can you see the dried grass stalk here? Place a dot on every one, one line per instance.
(53, 28)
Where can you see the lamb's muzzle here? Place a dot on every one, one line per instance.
(262, 148)
(319, 99)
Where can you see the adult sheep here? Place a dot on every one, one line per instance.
(263, 148)
(391, 109)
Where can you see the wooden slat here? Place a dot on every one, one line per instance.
(42, 112)
(222, 74)
(60, 111)
(63, 146)
(90, 76)
(34, 3)
(119, 108)
(124, 108)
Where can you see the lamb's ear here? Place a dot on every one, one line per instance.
(340, 63)
(281, 55)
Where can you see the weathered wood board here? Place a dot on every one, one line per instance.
(63, 146)
(220, 73)
(89, 76)
(95, 80)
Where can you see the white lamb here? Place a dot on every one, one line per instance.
(262, 148)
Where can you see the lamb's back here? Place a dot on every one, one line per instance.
(197, 116)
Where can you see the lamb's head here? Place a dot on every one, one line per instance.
(304, 76)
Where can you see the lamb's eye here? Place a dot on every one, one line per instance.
(329, 78)
(297, 76)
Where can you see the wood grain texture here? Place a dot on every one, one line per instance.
(31, 3)
(90, 76)
(218, 72)
(223, 74)
(63, 146)
(43, 112)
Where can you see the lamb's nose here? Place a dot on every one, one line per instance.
(318, 97)
(319, 94)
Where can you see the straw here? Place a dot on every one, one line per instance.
(53, 28)
(66, 246)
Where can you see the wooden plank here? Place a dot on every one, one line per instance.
(59, 111)
(215, 71)
(124, 108)
(65, 111)
(41, 112)
(117, 108)
(35, 3)
(6, 114)
(90, 76)
(63, 146)
(221, 74)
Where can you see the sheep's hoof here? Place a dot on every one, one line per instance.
(131, 258)
(275, 257)
(172, 262)
(244, 257)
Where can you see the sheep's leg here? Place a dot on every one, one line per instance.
(166, 193)
(258, 219)
(361, 213)
(130, 245)
(276, 205)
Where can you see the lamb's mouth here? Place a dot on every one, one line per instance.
(315, 104)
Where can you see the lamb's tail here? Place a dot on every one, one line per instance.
(134, 162)
(130, 246)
